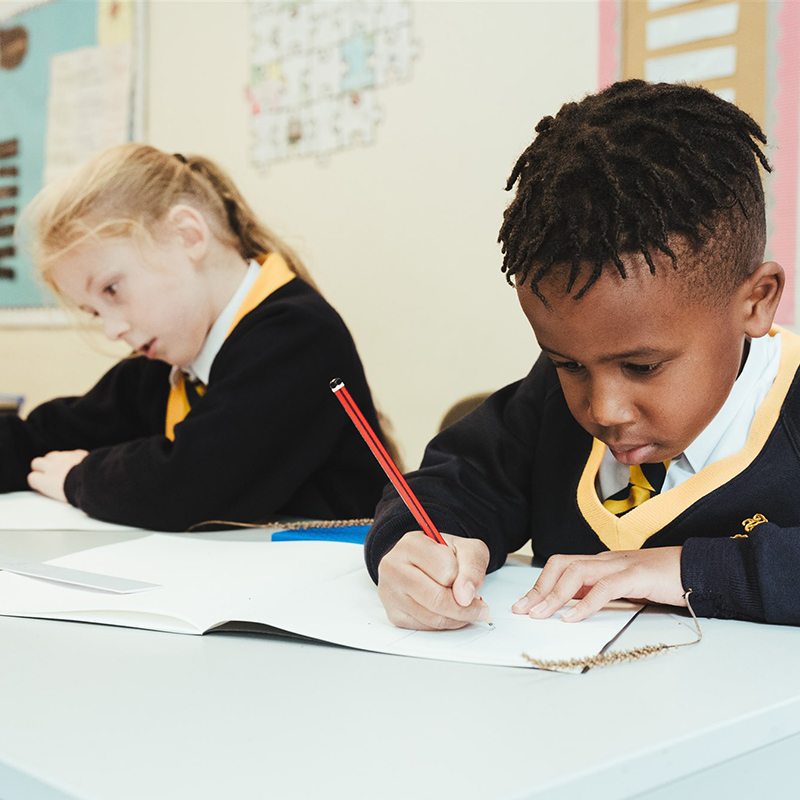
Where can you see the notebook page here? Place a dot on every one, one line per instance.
(315, 589)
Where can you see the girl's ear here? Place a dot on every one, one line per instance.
(191, 230)
(761, 294)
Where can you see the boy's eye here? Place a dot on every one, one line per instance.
(567, 366)
(642, 369)
(110, 290)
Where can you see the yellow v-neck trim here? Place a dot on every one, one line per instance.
(273, 274)
(632, 530)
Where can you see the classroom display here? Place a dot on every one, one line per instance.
(67, 79)
(316, 69)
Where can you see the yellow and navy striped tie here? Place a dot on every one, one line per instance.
(645, 482)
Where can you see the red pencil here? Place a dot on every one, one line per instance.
(386, 462)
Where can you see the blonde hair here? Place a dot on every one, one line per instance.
(127, 191)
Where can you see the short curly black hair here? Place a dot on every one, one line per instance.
(638, 168)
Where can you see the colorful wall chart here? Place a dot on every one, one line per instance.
(316, 72)
(66, 93)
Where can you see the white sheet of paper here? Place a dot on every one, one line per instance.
(660, 5)
(88, 106)
(695, 66)
(692, 26)
(316, 589)
(74, 577)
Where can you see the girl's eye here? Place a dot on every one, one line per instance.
(642, 369)
(110, 290)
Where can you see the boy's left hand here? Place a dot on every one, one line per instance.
(653, 574)
(48, 472)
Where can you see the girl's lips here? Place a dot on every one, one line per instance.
(638, 454)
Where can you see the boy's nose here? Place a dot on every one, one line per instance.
(608, 407)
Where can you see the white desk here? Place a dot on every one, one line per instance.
(102, 713)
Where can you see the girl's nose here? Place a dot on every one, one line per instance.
(115, 327)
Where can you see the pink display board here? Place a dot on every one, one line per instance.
(782, 94)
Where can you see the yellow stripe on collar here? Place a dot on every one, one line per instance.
(274, 274)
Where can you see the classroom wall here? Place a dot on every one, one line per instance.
(400, 235)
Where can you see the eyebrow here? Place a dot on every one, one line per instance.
(642, 352)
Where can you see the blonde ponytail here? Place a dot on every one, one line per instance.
(128, 190)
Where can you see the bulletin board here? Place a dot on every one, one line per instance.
(746, 52)
(317, 70)
(70, 87)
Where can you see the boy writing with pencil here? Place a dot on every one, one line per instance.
(654, 448)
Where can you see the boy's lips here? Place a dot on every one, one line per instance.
(633, 453)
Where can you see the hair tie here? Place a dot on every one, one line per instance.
(232, 211)
(180, 157)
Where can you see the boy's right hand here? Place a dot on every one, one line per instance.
(425, 586)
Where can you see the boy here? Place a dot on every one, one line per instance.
(654, 447)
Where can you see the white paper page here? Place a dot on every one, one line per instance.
(692, 26)
(316, 589)
(347, 611)
(660, 5)
(88, 106)
(204, 581)
(694, 67)
(34, 512)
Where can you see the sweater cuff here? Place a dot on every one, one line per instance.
(391, 525)
(722, 576)
(72, 485)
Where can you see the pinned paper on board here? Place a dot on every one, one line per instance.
(746, 52)
(316, 71)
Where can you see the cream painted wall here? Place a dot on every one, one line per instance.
(401, 235)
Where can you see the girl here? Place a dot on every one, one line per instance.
(222, 411)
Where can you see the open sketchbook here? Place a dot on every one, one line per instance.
(316, 589)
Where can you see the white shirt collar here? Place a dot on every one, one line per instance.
(763, 352)
(200, 368)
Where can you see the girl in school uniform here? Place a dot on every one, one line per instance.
(222, 411)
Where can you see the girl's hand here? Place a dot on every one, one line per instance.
(653, 574)
(49, 472)
(426, 586)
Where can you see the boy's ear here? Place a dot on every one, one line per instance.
(761, 293)
(191, 229)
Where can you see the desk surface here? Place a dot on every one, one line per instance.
(103, 713)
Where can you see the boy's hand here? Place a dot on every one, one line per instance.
(426, 586)
(653, 574)
(49, 472)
